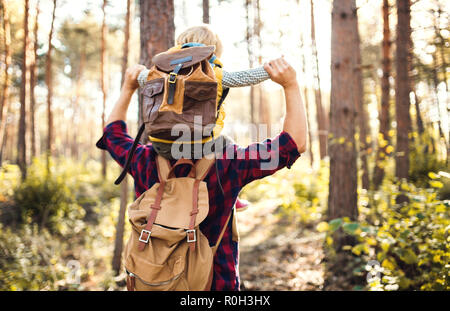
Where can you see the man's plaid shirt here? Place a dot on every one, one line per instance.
(238, 167)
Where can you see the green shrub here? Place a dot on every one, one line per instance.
(410, 241)
(29, 260)
(47, 200)
(424, 159)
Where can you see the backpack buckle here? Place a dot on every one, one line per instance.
(187, 236)
(172, 77)
(148, 236)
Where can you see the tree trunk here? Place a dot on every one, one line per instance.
(249, 38)
(342, 197)
(102, 81)
(263, 108)
(74, 142)
(306, 99)
(361, 108)
(49, 82)
(320, 111)
(4, 103)
(403, 117)
(21, 147)
(33, 80)
(435, 78)
(385, 97)
(444, 75)
(118, 245)
(206, 11)
(157, 34)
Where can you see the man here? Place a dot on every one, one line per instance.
(237, 167)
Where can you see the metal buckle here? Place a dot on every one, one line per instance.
(187, 235)
(174, 76)
(148, 236)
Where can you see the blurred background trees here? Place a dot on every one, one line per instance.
(374, 78)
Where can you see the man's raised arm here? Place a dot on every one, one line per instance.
(130, 84)
(295, 119)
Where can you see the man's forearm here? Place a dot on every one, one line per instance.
(120, 109)
(295, 120)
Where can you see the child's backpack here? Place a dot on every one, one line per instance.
(181, 84)
(166, 249)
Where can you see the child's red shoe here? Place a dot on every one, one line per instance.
(241, 205)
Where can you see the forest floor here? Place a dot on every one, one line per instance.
(276, 253)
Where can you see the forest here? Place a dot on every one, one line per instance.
(365, 208)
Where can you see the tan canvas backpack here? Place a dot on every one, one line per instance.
(166, 249)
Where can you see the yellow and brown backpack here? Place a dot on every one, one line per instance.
(180, 85)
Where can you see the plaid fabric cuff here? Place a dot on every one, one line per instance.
(116, 126)
(289, 148)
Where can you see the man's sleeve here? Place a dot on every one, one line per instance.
(118, 143)
(259, 160)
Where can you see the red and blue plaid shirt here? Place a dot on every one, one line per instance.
(238, 167)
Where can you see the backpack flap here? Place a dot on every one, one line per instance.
(176, 204)
(167, 61)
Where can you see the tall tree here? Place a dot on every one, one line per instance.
(22, 147)
(402, 91)
(4, 100)
(434, 72)
(249, 40)
(320, 111)
(305, 97)
(383, 140)
(361, 107)
(157, 32)
(49, 82)
(118, 245)
(342, 197)
(263, 107)
(206, 11)
(33, 80)
(102, 79)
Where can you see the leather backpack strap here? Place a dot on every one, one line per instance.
(163, 168)
(215, 247)
(130, 155)
(201, 169)
(191, 234)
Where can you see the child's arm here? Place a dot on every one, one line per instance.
(244, 78)
(142, 78)
(229, 79)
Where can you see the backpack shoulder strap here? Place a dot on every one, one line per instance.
(203, 166)
(163, 168)
(216, 246)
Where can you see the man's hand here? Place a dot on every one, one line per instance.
(130, 82)
(281, 72)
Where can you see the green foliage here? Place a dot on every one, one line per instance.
(298, 192)
(424, 159)
(29, 260)
(410, 241)
(80, 226)
(47, 200)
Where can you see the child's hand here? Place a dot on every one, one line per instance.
(130, 82)
(281, 72)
